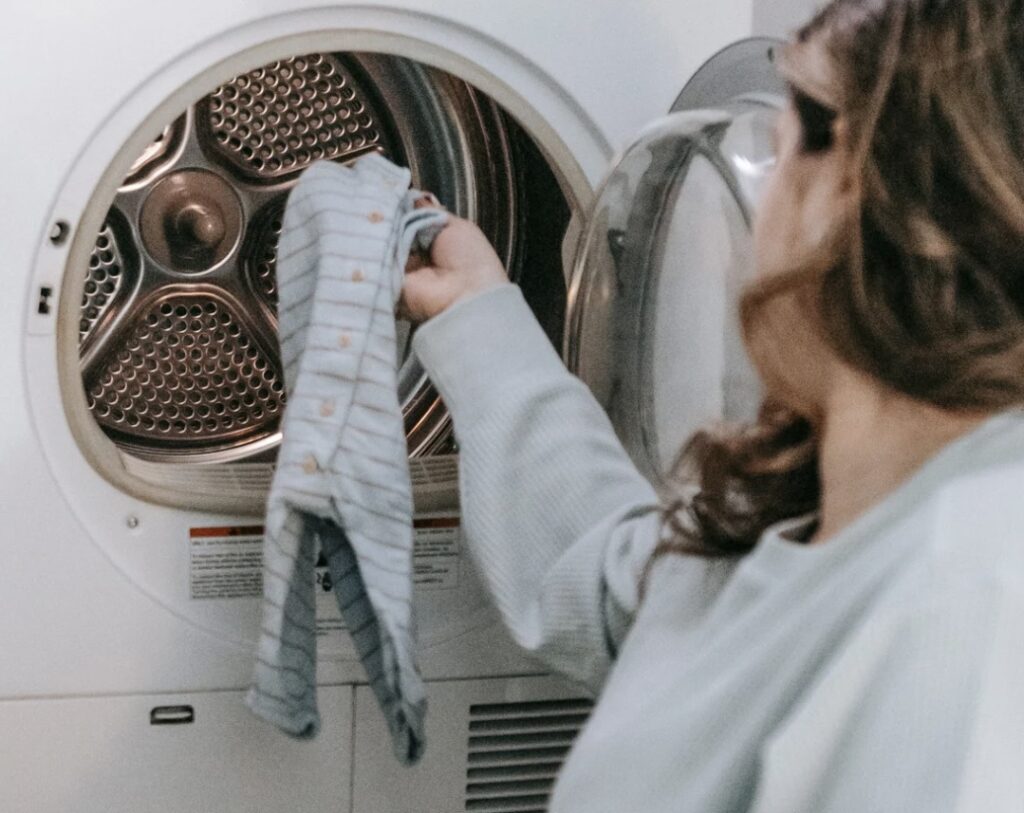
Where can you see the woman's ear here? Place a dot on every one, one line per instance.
(831, 197)
(850, 177)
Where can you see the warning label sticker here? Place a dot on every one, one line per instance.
(227, 563)
(435, 561)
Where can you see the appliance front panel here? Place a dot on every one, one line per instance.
(88, 567)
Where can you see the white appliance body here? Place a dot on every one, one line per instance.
(102, 643)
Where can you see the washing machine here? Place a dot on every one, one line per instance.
(148, 153)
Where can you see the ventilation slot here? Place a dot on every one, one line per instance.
(516, 751)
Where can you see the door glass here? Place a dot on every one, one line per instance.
(653, 324)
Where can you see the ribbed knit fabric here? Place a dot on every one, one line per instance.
(556, 513)
(342, 479)
(880, 671)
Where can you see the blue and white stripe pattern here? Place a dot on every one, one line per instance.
(342, 475)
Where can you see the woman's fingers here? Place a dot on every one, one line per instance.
(416, 261)
(461, 262)
(424, 293)
(428, 200)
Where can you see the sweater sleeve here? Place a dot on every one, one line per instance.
(559, 521)
(923, 711)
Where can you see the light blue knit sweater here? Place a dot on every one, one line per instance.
(880, 671)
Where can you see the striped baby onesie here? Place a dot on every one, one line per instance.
(342, 478)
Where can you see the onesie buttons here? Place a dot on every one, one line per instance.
(309, 465)
(375, 217)
(327, 408)
(344, 340)
(358, 275)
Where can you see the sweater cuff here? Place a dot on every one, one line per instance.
(481, 346)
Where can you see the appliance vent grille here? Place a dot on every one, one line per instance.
(186, 369)
(516, 751)
(261, 260)
(278, 119)
(103, 283)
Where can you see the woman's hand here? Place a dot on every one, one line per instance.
(461, 263)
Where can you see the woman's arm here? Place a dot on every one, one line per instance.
(559, 521)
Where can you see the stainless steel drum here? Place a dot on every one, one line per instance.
(178, 323)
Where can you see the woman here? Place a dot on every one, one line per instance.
(831, 623)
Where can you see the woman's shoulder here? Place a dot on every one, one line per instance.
(970, 536)
(979, 515)
(974, 519)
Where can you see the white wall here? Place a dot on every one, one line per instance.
(779, 18)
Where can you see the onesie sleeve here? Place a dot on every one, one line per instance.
(923, 711)
(559, 522)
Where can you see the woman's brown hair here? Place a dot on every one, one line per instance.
(925, 291)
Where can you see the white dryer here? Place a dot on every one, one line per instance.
(147, 165)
